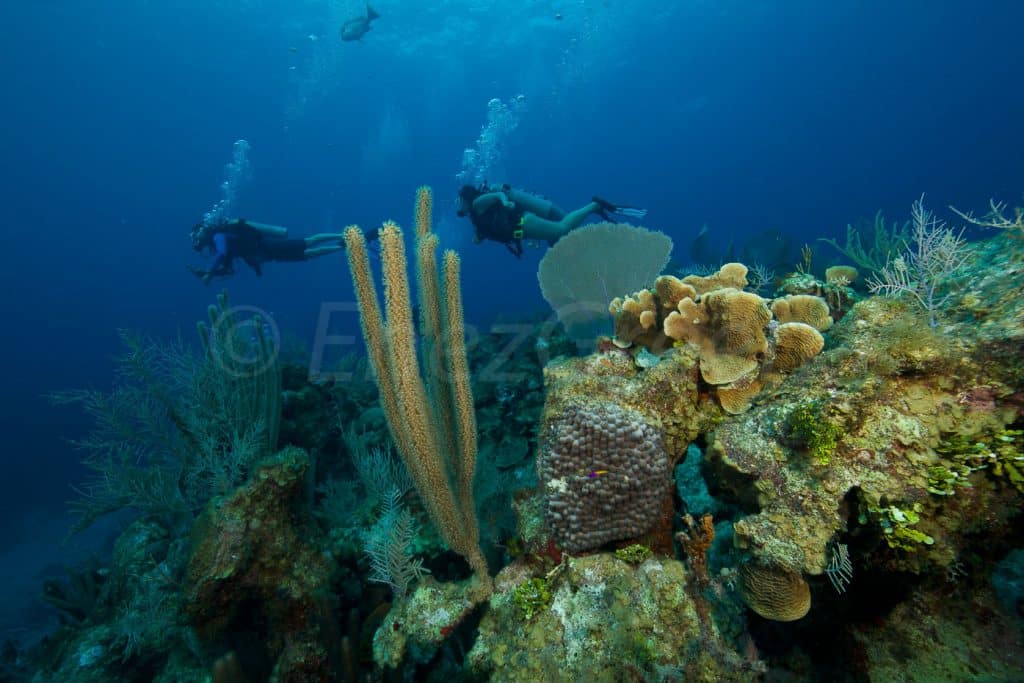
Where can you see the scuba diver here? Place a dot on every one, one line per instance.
(256, 244)
(509, 215)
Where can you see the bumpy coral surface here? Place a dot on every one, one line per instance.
(665, 394)
(416, 627)
(894, 399)
(608, 620)
(605, 473)
(252, 568)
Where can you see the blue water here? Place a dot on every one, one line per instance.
(117, 122)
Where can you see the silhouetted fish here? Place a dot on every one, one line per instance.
(356, 28)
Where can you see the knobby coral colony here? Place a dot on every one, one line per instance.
(895, 451)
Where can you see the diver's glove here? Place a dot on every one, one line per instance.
(203, 275)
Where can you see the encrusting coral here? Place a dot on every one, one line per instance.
(603, 619)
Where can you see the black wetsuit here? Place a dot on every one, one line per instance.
(500, 224)
(237, 239)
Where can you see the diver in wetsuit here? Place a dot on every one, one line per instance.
(256, 244)
(509, 215)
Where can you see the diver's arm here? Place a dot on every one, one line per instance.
(220, 254)
(485, 201)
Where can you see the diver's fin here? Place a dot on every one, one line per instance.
(371, 13)
(631, 212)
(605, 207)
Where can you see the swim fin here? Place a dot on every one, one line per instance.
(605, 208)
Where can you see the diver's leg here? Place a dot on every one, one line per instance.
(575, 219)
(313, 240)
(532, 203)
(313, 252)
(537, 228)
(267, 229)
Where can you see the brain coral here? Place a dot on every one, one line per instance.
(775, 593)
(729, 276)
(795, 344)
(803, 308)
(728, 326)
(635, 319)
(605, 473)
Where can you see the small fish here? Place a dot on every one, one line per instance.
(356, 28)
(293, 49)
(594, 474)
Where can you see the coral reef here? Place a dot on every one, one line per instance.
(742, 349)
(877, 414)
(603, 619)
(255, 570)
(416, 627)
(934, 636)
(841, 467)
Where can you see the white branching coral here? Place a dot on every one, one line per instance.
(933, 256)
(389, 546)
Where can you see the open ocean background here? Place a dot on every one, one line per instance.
(118, 117)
